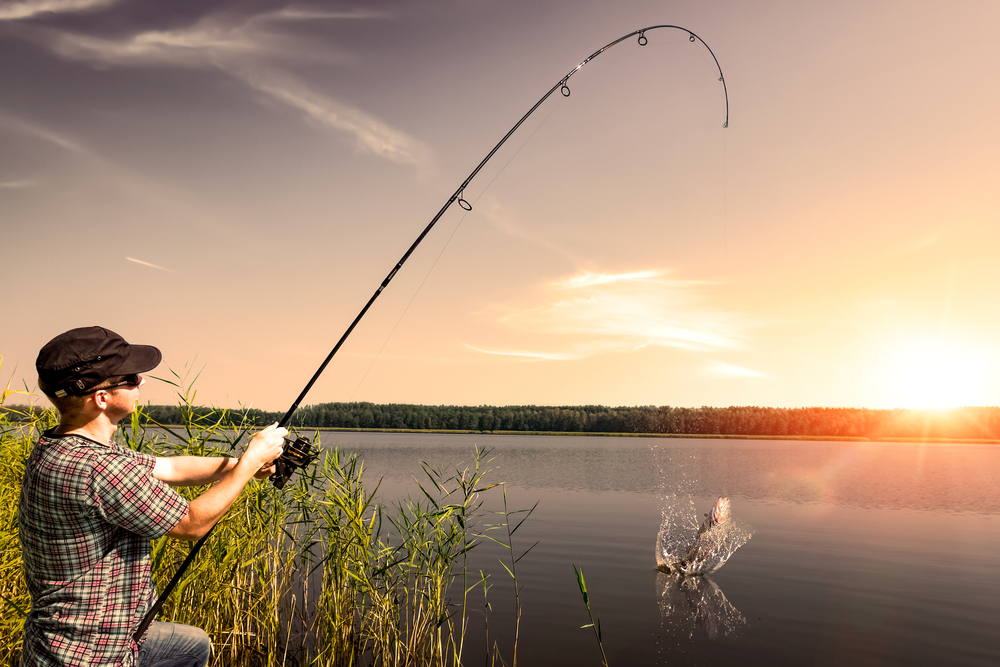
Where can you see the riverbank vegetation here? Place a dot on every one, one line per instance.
(969, 423)
(322, 572)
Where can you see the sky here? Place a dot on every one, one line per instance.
(232, 180)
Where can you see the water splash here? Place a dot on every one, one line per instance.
(683, 548)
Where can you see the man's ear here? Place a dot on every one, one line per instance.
(100, 399)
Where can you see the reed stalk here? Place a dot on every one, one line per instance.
(594, 623)
(511, 569)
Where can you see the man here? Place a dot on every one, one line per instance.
(89, 508)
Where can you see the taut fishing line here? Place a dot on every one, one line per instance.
(448, 242)
(727, 295)
(298, 452)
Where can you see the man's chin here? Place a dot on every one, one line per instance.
(128, 414)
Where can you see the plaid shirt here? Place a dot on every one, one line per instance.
(87, 513)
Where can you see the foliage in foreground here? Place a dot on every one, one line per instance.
(319, 573)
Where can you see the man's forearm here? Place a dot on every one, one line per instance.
(205, 510)
(192, 470)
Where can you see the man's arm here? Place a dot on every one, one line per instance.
(206, 510)
(192, 470)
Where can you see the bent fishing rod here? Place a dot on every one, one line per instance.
(298, 452)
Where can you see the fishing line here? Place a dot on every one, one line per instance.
(298, 452)
(448, 242)
(410, 303)
(727, 295)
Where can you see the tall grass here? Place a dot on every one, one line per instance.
(320, 573)
(15, 445)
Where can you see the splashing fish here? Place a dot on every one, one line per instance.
(708, 549)
(710, 532)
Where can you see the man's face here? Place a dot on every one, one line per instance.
(122, 398)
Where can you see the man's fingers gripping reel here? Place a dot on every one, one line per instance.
(297, 453)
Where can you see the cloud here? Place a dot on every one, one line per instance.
(29, 8)
(251, 51)
(154, 266)
(527, 354)
(36, 132)
(587, 279)
(17, 184)
(299, 14)
(95, 168)
(720, 368)
(205, 44)
(506, 220)
(617, 313)
(368, 132)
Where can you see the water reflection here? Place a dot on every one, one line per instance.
(689, 603)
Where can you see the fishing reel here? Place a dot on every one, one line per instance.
(297, 453)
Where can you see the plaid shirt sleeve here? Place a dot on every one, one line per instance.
(124, 491)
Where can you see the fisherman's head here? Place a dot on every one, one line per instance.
(93, 365)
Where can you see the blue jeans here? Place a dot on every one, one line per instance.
(174, 645)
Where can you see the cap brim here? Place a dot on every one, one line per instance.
(141, 358)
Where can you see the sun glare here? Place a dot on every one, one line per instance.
(933, 373)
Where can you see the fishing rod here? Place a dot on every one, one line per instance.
(298, 452)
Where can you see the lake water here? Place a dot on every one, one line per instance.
(862, 553)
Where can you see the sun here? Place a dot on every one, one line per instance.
(936, 373)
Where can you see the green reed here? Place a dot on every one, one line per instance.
(15, 445)
(319, 573)
(387, 570)
(594, 623)
(508, 543)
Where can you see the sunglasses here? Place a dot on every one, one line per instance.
(132, 380)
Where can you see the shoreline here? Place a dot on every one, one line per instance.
(700, 436)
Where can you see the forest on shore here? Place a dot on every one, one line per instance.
(966, 423)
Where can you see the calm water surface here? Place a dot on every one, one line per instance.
(863, 553)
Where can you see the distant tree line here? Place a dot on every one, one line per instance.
(960, 423)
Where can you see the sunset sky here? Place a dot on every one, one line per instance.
(231, 180)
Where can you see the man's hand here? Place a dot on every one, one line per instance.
(264, 448)
(265, 471)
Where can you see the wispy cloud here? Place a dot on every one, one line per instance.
(506, 220)
(94, 166)
(25, 128)
(588, 279)
(251, 51)
(528, 354)
(617, 312)
(208, 43)
(312, 14)
(153, 266)
(17, 184)
(720, 368)
(368, 132)
(12, 11)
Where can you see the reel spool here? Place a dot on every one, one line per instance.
(297, 453)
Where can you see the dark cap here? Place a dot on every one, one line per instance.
(80, 359)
